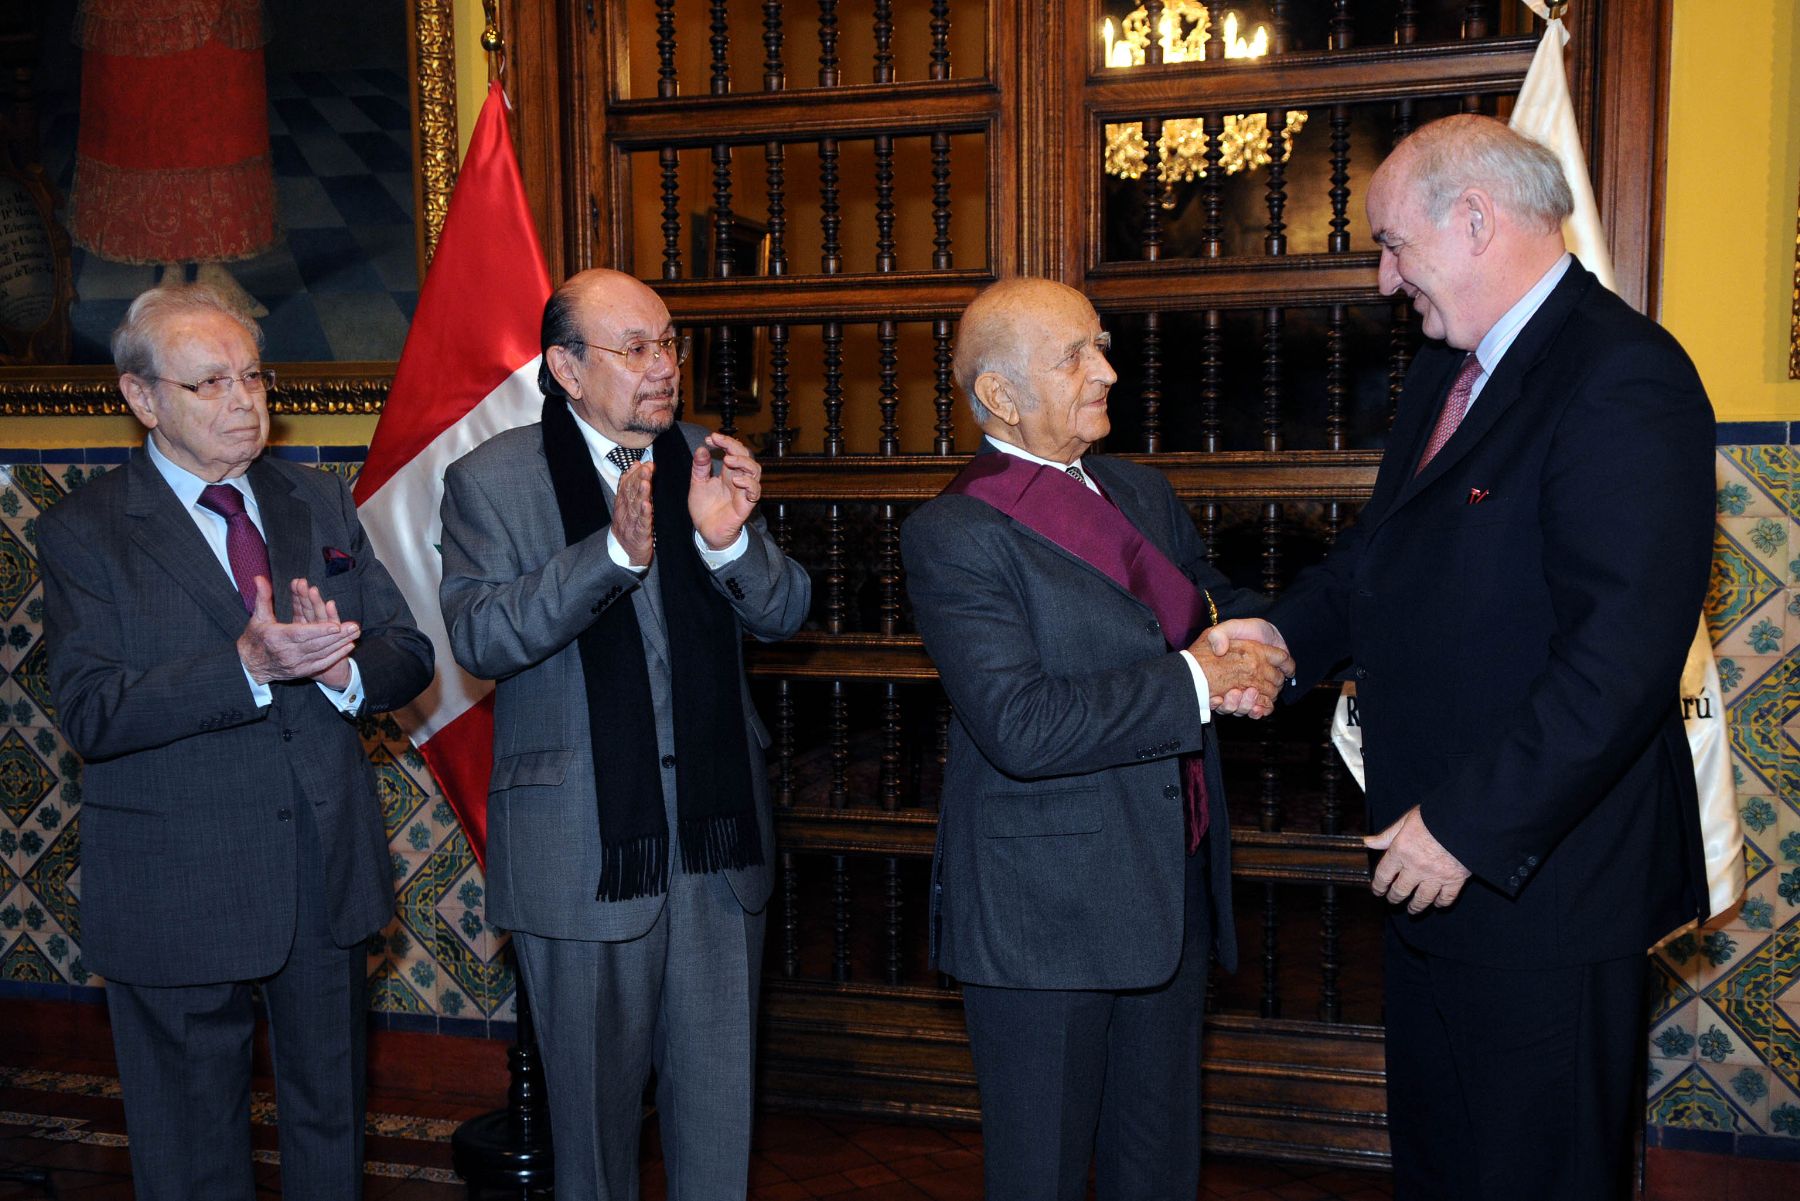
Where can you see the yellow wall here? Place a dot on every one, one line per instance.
(1733, 184)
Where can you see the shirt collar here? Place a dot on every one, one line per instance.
(599, 446)
(1021, 453)
(188, 486)
(1500, 338)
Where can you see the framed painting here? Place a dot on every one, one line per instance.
(321, 218)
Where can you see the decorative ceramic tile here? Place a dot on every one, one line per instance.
(1743, 576)
(1691, 1100)
(1753, 481)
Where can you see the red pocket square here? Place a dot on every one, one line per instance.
(337, 562)
(1477, 495)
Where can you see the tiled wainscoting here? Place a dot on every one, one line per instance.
(1724, 1042)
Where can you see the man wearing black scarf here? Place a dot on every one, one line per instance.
(603, 566)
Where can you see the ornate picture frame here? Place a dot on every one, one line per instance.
(314, 386)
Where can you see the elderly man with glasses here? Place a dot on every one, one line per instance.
(214, 619)
(603, 567)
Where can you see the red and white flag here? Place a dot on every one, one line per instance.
(468, 371)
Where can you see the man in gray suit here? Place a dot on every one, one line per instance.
(603, 567)
(1083, 868)
(230, 833)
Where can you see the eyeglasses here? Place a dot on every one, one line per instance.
(218, 387)
(640, 356)
(1101, 342)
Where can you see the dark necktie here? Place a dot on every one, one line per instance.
(1456, 404)
(244, 546)
(623, 457)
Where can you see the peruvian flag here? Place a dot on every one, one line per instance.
(468, 371)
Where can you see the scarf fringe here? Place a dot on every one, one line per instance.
(639, 868)
(712, 844)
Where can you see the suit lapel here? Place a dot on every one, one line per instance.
(1502, 390)
(167, 536)
(287, 528)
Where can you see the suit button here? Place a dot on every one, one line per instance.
(284, 815)
(1362, 673)
(1150, 627)
(287, 736)
(668, 761)
(1171, 791)
(1531, 859)
(1364, 593)
(1523, 872)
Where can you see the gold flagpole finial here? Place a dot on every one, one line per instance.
(491, 41)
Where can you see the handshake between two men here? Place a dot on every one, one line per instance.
(1246, 664)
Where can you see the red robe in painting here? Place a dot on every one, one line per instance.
(172, 162)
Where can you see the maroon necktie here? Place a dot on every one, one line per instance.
(1455, 405)
(244, 546)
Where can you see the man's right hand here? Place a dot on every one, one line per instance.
(632, 517)
(276, 650)
(1245, 676)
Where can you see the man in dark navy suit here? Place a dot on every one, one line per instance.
(1515, 603)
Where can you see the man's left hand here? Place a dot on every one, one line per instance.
(720, 504)
(1415, 865)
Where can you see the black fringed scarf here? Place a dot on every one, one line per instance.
(714, 805)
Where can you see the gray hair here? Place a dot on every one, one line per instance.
(134, 343)
(1451, 155)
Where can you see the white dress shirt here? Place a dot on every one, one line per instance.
(212, 527)
(1201, 688)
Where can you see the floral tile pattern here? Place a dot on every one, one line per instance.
(437, 958)
(1728, 1060)
(1723, 1039)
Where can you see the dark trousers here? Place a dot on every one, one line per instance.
(184, 1066)
(1512, 1084)
(1072, 1076)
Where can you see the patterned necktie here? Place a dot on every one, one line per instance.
(623, 457)
(1075, 474)
(1456, 404)
(244, 546)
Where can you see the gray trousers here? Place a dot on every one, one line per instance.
(1069, 1077)
(184, 1066)
(681, 1001)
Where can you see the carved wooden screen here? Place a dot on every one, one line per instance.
(817, 190)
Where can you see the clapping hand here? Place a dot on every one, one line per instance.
(316, 645)
(720, 504)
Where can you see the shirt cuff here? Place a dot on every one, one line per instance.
(350, 700)
(618, 555)
(716, 559)
(1201, 689)
(260, 693)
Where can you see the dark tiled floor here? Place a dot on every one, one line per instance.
(72, 1127)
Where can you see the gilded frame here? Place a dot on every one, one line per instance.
(1794, 336)
(310, 387)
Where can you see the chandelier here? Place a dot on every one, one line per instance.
(1245, 143)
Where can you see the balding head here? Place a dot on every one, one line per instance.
(994, 330)
(1031, 355)
(608, 309)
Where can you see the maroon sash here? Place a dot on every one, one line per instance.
(1062, 509)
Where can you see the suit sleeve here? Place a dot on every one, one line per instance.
(969, 600)
(396, 659)
(768, 591)
(1626, 515)
(105, 707)
(501, 616)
